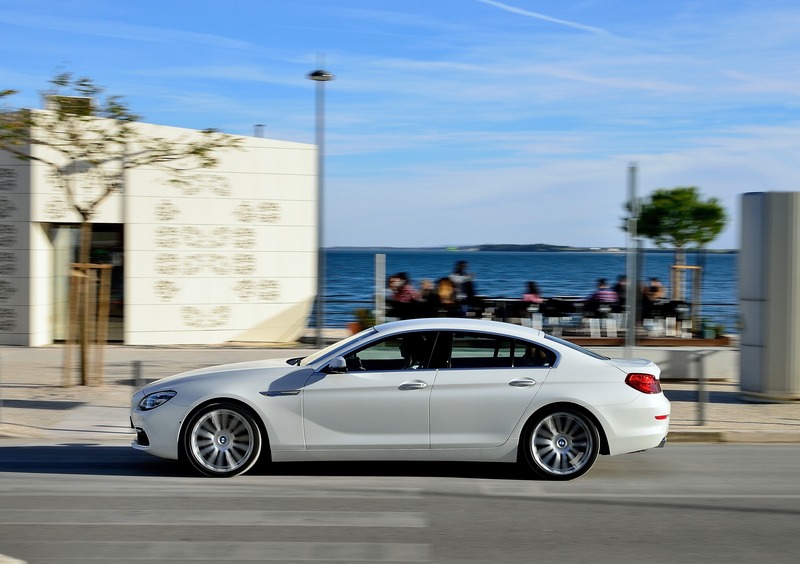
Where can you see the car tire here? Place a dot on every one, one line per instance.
(222, 440)
(560, 444)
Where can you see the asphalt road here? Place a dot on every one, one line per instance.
(685, 503)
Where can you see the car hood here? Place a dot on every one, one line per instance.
(266, 370)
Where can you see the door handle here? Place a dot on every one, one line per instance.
(522, 383)
(417, 385)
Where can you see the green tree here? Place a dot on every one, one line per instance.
(678, 218)
(84, 135)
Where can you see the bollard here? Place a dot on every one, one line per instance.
(138, 380)
(702, 392)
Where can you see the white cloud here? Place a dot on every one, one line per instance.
(535, 15)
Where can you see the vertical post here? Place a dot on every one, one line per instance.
(702, 393)
(632, 293)
(72, 325)
(83, 324)
(320, 134)
(101, 335)
(91, 326)
(380, 295)
(136, 369)
(320, 77)
(697, 292)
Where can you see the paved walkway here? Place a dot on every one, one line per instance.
(35, 404)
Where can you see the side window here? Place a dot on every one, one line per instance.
(398, 352)
(532, 355)
(481, 350)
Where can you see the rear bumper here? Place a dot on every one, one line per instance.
(640, 425)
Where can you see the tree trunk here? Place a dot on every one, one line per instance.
(679, 279)
(86, 242)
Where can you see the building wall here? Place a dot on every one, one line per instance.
(15, 251)
(229, 255)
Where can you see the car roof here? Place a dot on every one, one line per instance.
(460, 324)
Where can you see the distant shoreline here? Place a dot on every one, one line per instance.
(535, 248)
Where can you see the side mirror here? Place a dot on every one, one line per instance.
(337, 366)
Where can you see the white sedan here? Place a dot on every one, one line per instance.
(425, 389)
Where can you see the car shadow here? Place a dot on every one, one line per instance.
(103, 460)
(467, 470)
(85, 459)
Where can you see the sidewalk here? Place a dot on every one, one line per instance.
(34, 404)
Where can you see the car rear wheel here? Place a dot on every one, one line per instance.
(222, 440)
(561, 444)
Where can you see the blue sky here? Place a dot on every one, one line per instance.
(456, 122)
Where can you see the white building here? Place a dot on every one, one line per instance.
(231, 256)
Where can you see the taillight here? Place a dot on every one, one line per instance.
(645, 383)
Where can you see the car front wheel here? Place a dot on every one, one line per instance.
(222, 440)
(561, 444)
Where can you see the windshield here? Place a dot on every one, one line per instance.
(575, 347)
(336, 346)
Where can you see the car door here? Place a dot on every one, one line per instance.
(382, 400)
(484, 387)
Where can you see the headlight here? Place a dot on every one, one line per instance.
(155, 399)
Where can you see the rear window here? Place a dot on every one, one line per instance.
(575, 347)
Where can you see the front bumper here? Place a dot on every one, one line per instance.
(157, 430)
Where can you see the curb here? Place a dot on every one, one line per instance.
(19, 432)
(734, 436)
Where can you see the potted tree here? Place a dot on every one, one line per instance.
(364, 318)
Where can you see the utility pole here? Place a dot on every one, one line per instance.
(632, 294)
(320, 76)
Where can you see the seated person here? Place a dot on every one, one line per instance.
(602, 301)
(413, 350)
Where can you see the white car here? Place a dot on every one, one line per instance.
(424, 389)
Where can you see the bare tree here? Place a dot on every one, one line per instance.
(84, 131)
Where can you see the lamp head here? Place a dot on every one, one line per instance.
(320, 75)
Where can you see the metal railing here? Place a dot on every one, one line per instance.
(718, 317)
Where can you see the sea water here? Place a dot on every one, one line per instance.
(350, 276)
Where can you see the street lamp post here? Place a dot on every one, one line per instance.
(320, 77)
(631, 294)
